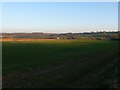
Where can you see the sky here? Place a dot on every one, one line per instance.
(59, 17)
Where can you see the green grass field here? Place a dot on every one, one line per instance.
(59, 63)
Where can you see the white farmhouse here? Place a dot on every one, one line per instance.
(58, 38)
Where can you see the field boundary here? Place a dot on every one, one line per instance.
(24, 39)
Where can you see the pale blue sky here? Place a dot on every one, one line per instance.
(56, 17)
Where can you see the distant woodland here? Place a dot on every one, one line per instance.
(86, 35)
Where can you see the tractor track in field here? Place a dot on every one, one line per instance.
(12, 81)
(92, 76)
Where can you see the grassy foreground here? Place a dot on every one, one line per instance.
(59, 63)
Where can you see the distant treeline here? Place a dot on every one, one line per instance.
(86, 35)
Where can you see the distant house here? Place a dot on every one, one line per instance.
(58, 38)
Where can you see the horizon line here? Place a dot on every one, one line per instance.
(62, 32)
